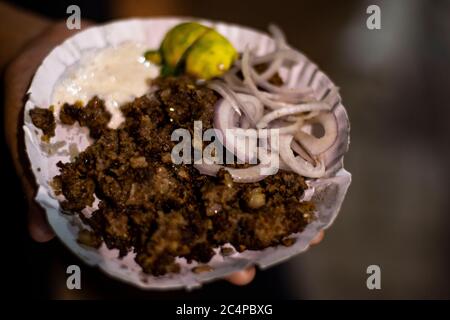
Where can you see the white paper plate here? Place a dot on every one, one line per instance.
(327, 193)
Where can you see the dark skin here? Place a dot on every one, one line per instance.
(18, 75)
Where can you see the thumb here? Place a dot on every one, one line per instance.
(242, 278)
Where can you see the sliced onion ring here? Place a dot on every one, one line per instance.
(295, 109)
(302, 152)
(298, 164)
(249, 81)
(315, 145)
(280, 43)
(237, 144)
(226, 94)
(282, 94)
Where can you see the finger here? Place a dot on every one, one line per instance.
(38, 226)
(242, 278)
(318, 238)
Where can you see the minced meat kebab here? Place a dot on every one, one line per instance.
(158, 209)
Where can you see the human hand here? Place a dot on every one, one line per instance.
(17, 78)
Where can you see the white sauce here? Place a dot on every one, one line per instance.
(116, 74)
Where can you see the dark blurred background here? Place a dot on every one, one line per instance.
(395, 85)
